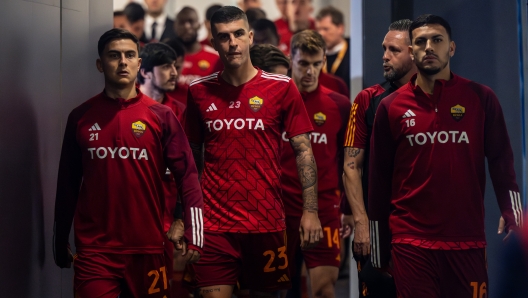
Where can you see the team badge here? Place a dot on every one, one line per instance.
(319, 118)
(255, 103)
(204, 64)
(138, 128)
(458, 112)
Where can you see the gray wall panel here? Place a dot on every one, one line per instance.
(376, 21)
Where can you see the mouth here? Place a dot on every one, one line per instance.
(430, 58)
(123, 73)
(387, 68)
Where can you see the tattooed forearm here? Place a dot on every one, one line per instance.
(352, 151)
(197, 151)
(307, 170)
(351, 165)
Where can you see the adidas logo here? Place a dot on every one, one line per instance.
(408, 114)
(211, 108)
(94, 127)
(283, 278)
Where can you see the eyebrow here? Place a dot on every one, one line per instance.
(236, 31)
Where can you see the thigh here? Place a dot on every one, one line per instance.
(147, 276)
(265, 262)
(328, 251)
(464, 273)
(98, 275)
(220, 263)
(415, 271)
(322, 280)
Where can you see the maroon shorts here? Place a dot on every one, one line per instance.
(420, 272)
(326, 253)
(105, 275)
(254, 261)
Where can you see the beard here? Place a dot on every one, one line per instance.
(396, 74)
(433, 70)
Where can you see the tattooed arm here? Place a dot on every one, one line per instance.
(310, 229)
(353, 170)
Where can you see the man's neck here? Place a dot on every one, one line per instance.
(427, 82)
(193, 48)
(152, 92)
(405, 79)
(307, 89)
(119, 91)
(296, 26)
(336, 47)
(240, 75)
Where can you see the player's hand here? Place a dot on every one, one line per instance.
(361, 241)
(347, 225)
(175, 234)
(310, 230)
(191, 255)
(64, 257)
(502, 223)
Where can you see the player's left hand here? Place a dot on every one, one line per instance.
(191, 255)
(502, 224)
(175, 234)
(310, 230)
(347, 225)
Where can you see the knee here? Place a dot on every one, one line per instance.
(324, 291)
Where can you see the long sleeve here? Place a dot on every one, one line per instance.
(68, 186)
(380, 186)
(500, 163)
(179, 159)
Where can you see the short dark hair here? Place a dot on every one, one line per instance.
(335, 14)
(400, 25)
(429, 19)
(308, 41)
(186, 9)
(177, 46)
(116, 33)
(265, 24)
(155, 54)
(227, 14)
(266, 57)
(118, 13)
(254, 14)
(134, 12)
(211, 10)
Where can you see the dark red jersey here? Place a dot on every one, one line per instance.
(169, 186)
(427, 167)
(334, 83)
(241, 128)
(206, 42)
(285, 34)
(328, 112)
(114, 155)
(200, 64)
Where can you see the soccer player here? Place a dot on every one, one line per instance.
(180, 90)
(398, 68)
(295, 17)
(207, 23)
(240, 114)
(116, 149)
(135, 15)
(200, 60)
(429, 143)
(328, 113)
(269, 58)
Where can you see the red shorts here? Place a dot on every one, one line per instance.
(169, 256)
(421, 272)
(326, 253)
(255, 261)
(105, 275)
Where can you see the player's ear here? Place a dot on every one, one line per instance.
(145, 74)
(250, 34)
(452, 47)
(99, 65)
(411, 52)
(139, 63)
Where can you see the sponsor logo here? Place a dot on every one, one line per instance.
(211, 108)
(458, 112)
(118, 152)
(138, 128)
(238, 124)
(255, 103)
(95, 127)
(452, 136)
(408, 114)
(319, 118)
(315, 137)
(204, 64)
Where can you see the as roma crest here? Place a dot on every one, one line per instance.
(255, 103)
(319, 118)
(138, 128)
(204, 64)
(458, 112)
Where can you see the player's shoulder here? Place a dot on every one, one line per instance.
(79, 111)
(204, 81)
(210, 50)
(364, 96)
(336, 97)
(272, 77)
(480, 89)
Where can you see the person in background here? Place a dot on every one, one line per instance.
(158, 26)
(207, 23)
(265, 32)
(269, 58)
(254, 14)
(247, 4)
(295, 17)
(330, 23)
(135, 15)
(120, 20)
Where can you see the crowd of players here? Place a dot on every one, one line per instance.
(209, 148)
